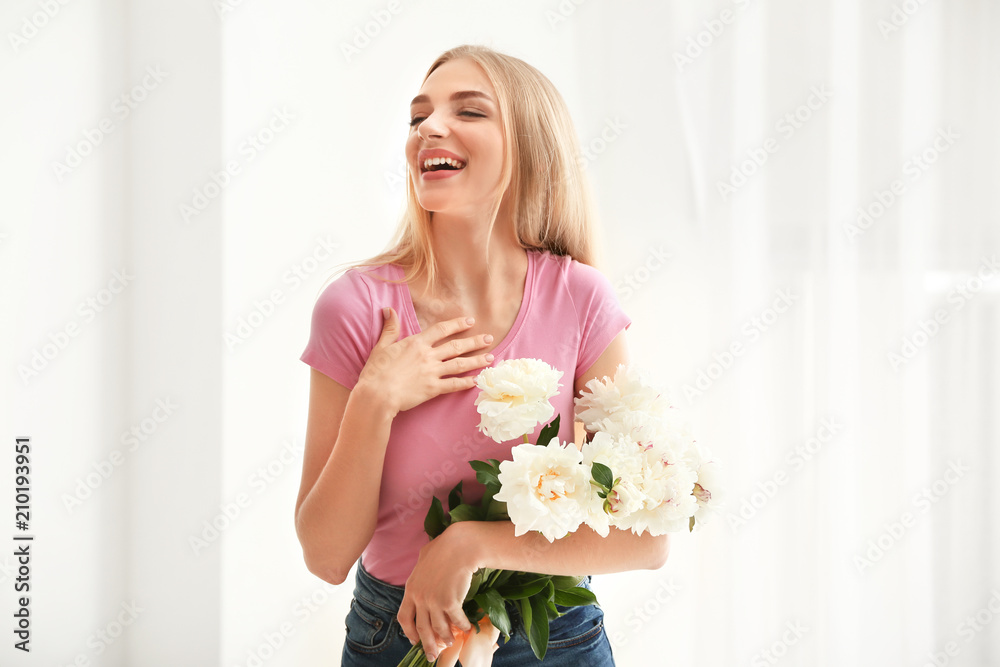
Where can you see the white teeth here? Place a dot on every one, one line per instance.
(431, 161)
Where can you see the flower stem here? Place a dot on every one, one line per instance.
(415, 657)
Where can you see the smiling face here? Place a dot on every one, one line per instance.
(456, 115)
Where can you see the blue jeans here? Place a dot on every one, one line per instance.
(374, 638)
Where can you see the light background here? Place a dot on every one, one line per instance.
(841, 545)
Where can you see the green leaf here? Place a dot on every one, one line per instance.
(691, 524)
(538, 631)
(523, 590)
(574, 597)
(550, 431)
(473, 612)
(434, 522)
(561, 583)
(524, 605)
(497, 511)
(492, 581)
(490, 509)
(478, 577)
(481, 466)
(455, 497)
(465, 513)
(553, 612)
(602, 475)
(487, 473)
(493, 605)
(502, 578)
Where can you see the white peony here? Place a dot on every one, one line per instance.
(514, 397)
(626, 400)
(643, 429)
(667, 485)
(625, 459)
(546, 489)
(708, 489)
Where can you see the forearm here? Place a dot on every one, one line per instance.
(338, 516)
(492, 544)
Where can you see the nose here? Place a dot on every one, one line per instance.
(432, 126)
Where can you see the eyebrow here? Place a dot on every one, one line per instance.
(460, 95)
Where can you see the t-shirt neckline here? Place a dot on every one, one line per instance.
(522, 313)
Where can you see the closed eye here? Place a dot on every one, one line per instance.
(417, 119)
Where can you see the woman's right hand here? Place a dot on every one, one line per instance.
(413, 370)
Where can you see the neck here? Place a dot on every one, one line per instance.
(460, 250)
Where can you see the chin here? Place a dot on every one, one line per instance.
(436, 204)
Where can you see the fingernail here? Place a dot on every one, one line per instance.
(385, 312)
(488, 338)
(489, 357)
(470, 320)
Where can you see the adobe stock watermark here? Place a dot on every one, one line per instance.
(589, 152)
(101, 640)
(659, 599)
(786, 126)
(7, 570)
(121, 108)
(914, 167)
(31, 25)
(363, 35)
(633, 281)
(133, 438)
(795, 460)
(437, 482)
(418, 499)
(225, 7)
(922, 501)
(779, 647)
(59, 340)
(222, 178)
(968, 629)
(397, 178)
(258, 481)
(928, 328)
(594, 148)
(563, 11)
(751, 331)
(703, 39)
(900, 15)
(268, 643)
(264, 308)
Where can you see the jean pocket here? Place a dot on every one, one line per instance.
(369, 629)
(576, 626)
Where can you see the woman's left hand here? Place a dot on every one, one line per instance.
(435, 591)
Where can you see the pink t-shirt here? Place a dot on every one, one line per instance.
(569, 314)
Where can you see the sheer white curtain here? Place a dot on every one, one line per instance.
(840, 154)
(798, 211)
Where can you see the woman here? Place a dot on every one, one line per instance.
(492, 261)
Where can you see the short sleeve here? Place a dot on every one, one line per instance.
(600, 315)
(341, 335)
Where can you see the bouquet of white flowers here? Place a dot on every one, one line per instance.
(651, 473)
(641, 470)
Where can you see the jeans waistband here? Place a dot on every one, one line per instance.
(388, 596)
(377, 592)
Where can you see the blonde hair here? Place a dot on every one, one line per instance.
(551, 202)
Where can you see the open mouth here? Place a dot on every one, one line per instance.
(441, 164)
